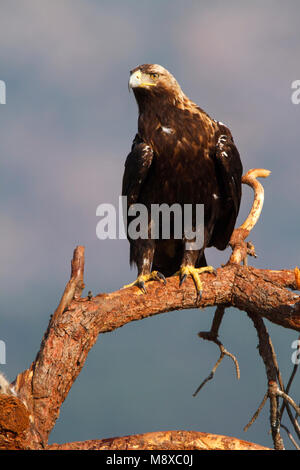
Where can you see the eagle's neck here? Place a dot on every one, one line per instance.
(152, 100)
(154, 110)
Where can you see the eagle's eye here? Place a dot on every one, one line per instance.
(154, 75)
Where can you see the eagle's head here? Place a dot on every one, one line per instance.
(154, 81)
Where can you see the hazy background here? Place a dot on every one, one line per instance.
(65, 132)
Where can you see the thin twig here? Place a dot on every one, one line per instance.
(292, 419)
(290, 436)
(287, 389)
(212, 335)
(210, 376)
(287, 398)
(254, 417)
(223, 353)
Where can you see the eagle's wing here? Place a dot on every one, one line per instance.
(229, 174)
(137, 166)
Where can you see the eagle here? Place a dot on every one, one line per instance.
(180, 155)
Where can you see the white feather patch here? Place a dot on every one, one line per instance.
(167, 130)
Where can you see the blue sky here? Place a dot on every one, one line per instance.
(65, 132)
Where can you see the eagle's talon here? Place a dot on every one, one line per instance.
(162, 277)
(194, 272)
(142, 286)
(199, 296)
(182, 279)
(142, 278)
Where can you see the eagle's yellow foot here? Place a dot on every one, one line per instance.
(194, 272)
(140, 282)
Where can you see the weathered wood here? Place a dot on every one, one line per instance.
(167, 440)
(77, 322)
(66, 345)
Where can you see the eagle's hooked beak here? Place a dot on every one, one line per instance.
(136, 80)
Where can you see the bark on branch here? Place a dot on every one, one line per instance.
(167, 440)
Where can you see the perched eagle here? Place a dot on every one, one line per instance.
(179, 155)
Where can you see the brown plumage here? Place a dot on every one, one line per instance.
(179, 155)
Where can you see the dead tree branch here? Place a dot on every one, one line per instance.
(77, 322)
(240, 248)
(266, 351)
